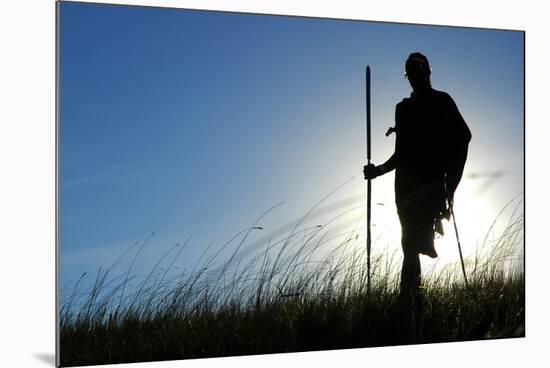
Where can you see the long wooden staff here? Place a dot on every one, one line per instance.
(368, 182)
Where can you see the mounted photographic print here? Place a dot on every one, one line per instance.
(236, 184)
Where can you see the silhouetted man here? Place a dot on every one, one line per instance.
(430, 152)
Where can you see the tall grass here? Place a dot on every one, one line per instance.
(303, 291)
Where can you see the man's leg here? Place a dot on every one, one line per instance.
(410, 273)
(410, 281)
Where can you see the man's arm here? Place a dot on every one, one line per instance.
(459, 139)
(371, 171)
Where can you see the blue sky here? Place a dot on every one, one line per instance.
(190, 123)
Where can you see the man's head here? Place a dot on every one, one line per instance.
(417, 69)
